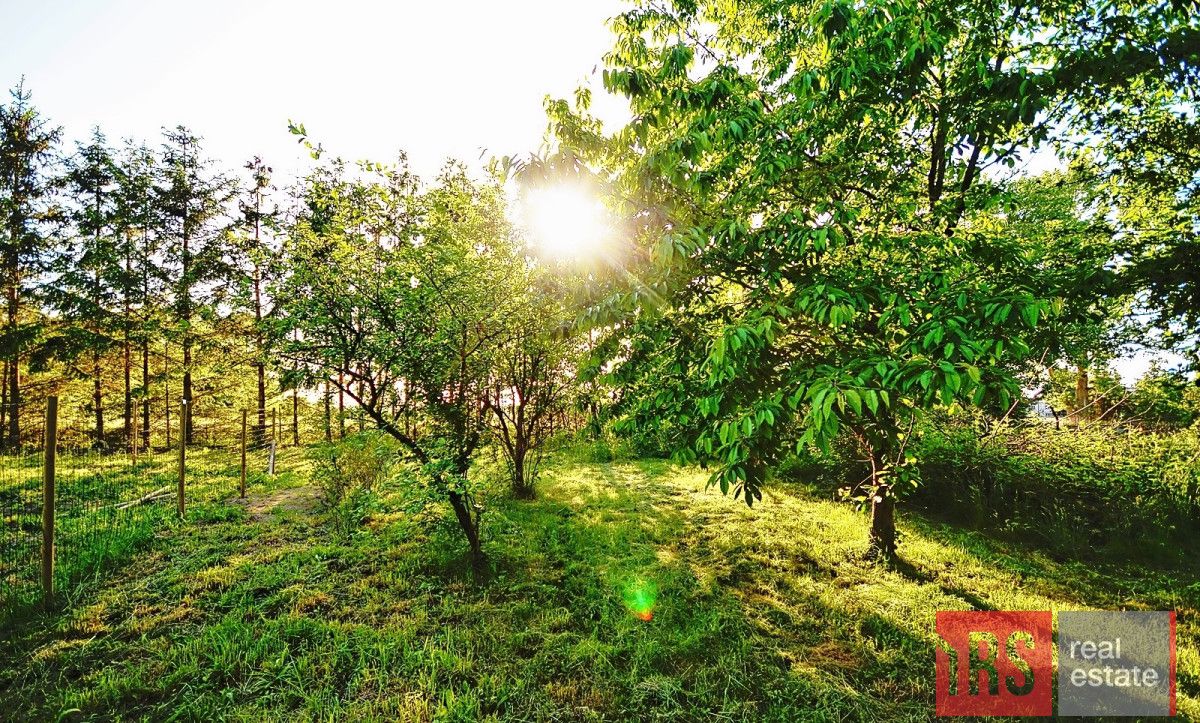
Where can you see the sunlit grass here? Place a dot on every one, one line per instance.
(626, 592)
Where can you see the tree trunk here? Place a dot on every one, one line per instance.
(3, 401)
(145, 431)
(12, 438)
(341, 406)
(883, 525)
(187, 394)
(522, 489)
(463, 512)
(167, 390)
(327, 400)
(295, 417)
(260, 429)
(1081, 394)
(127, 361)
(97, 400)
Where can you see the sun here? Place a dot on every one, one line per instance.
(566, 222)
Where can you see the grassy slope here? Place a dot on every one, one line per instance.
(769, 614)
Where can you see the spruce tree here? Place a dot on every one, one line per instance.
(191, 198)
(28, 156)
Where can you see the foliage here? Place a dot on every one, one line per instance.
(403, 292)
(1163, 399)
(1098, 491)
(28, 215)
(532, 375)
(348, 474)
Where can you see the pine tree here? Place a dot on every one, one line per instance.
(87, 272)
(191, 198)
(142, 281)
(255, 257)
(28, 154)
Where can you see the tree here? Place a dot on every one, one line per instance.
(28, 147)
(141, 284)
(1070, 244)
(532, 376)
(256, 260)
(191, 199)
(401, 293)
(809, 184)
(89, 271)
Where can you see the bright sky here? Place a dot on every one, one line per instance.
(438, 79)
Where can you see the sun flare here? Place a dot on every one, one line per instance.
(566, 222)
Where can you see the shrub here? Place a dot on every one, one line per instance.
(1080, 490)
(348, 472)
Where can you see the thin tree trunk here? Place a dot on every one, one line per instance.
(883, 525)
(462, 511)
(4, 402)
(13, 437)
(1081, 394)
(295, 417)
(127, 350)
(341, 406)
(145, 301)
(97, 399)
(327, 400)
(167, 389)
(882, 537)
(145, 430)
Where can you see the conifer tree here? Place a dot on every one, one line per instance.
(28, 154)
(191, 198)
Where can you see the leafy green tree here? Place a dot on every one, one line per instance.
(534, 365)
(1069, 251)
(401, 293)
(811, 187)
(191, 200)
(1146, 133)
(28, 157)
(1163, 399)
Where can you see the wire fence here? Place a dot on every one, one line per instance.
(107, 493)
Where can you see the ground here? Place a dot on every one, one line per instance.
(626, 591)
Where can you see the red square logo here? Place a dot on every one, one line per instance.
(994, 663)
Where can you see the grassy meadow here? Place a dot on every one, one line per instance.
(626, 591)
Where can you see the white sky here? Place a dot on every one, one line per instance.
(437, 79)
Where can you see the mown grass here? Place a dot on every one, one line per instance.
(627, 591)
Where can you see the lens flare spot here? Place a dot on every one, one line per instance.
(640, 596)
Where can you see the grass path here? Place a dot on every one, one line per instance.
(626, 592)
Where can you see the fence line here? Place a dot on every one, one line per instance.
(69, 501)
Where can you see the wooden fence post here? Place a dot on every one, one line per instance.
(183, 412)
(48, 469)
(133, 437)
(243, 487)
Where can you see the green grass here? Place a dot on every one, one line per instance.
(625, 592)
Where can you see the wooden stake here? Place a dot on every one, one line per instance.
(243, 487)
(48, 469)
(183, 414)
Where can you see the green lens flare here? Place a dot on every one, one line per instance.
(639, 596)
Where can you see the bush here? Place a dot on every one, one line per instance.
(348, 472)
(1072, 490)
